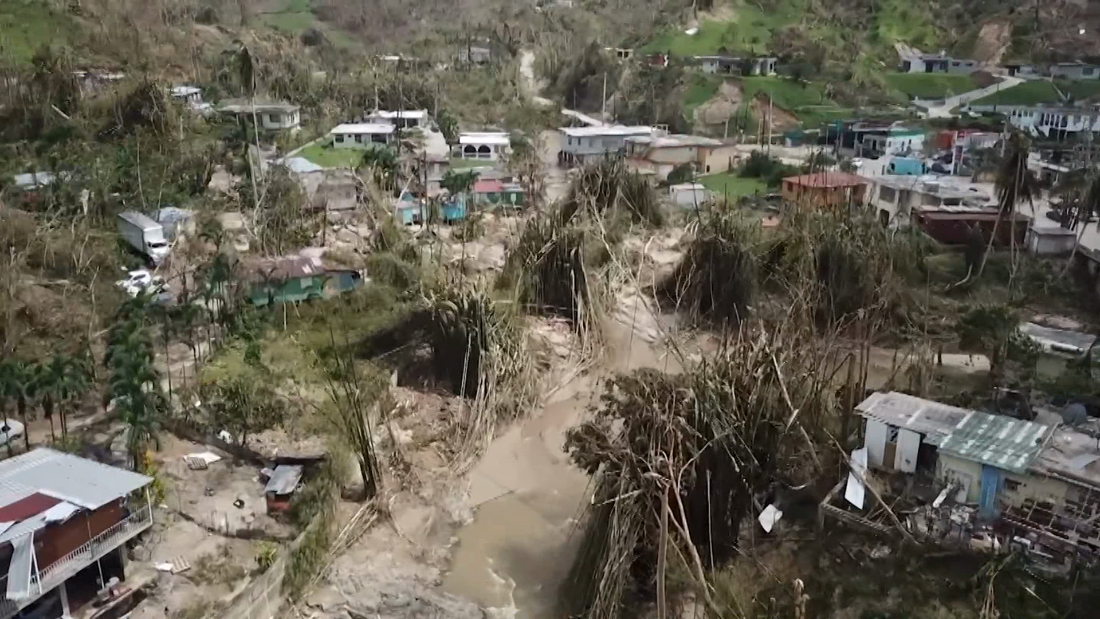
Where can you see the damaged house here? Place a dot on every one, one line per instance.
(64, 523)
(1033, 484)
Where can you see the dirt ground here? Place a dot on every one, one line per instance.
(198, 525)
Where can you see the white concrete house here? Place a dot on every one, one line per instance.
(271, 115)
(581, 144)
(1075, 71)
(937, 63)
(736, 65)
(402, 119)
(362, 135)
(1054, 122)
(487, 145)
(893, 197)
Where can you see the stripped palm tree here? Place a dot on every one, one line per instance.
(1015, 185)
(1084, 209)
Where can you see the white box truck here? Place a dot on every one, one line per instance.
(143, 234)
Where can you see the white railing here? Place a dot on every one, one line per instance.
(59, 571)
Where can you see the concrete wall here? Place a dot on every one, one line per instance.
(279, 120)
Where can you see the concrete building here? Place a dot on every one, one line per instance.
(362, 135)
(271, 115)
(1059, 123)
(688, 195)
(737, 65)
(937, 63)
(825, 189)
(894, 196)
(580, 145)
(65, 522)
(658, 155)
(890, 141)
(487, 145)
(1075, 71)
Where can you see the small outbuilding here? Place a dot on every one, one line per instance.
(281, 485)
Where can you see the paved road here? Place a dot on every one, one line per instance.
(531, 85)
(944, 110)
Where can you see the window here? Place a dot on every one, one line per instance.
(339, 138)
(888, 194)
(1086, 71)
(378, 138)
(1012, 485)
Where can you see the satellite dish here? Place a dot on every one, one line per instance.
(1074, 414)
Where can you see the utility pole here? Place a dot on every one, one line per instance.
(769, 123)
(603, 99)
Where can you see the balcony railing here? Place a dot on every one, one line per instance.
(64, 568)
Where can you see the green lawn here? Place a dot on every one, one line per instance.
(1079, 89)
(805, 100)
(930, 85)
(733, 186)
(1025, 93)
(749, 31)
(324, 155)
(26, 25)
(297, 17)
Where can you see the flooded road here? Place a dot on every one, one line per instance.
(528, 497)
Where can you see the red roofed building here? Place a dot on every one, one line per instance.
(825, 189)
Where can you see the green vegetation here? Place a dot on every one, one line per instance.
(1025, 93)
(898, 20)
(1079, 89)
(324, 155)
(733, 186)
(750, 31)
(930, 85)
(27, 24)
(805, 100)
(298, 17)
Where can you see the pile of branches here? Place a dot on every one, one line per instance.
(555, 268)
(608, 188)
(716, 279)
(677, 460)
(145, 107)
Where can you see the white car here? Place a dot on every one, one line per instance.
(139, 281)
(10, 431)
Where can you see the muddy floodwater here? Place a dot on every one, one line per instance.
(516, 552)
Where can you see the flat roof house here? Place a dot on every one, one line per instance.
(1075, 71)
(487, 145)
(272, 115)
(937, 63)
(737, 65)
(895, 196)
(63, 523)
(362, 135)
(658, 155)
(582, 144)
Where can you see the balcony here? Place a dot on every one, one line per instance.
(52, 575)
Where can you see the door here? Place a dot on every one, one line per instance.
(905, 458)
(991, 487)
(875, 442)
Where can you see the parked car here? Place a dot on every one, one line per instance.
(141, 280)
(10, 431)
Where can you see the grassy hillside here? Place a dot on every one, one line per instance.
(930, 86)
(748, 29)
(297, 16)
(25, 25)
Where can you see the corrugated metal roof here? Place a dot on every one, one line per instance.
(1004, 442)
(933, 420)
(284, 479)
(86, 483)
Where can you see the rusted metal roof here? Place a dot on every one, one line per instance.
(827, 180)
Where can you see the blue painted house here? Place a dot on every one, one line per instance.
(411, 210)
(297, 278)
